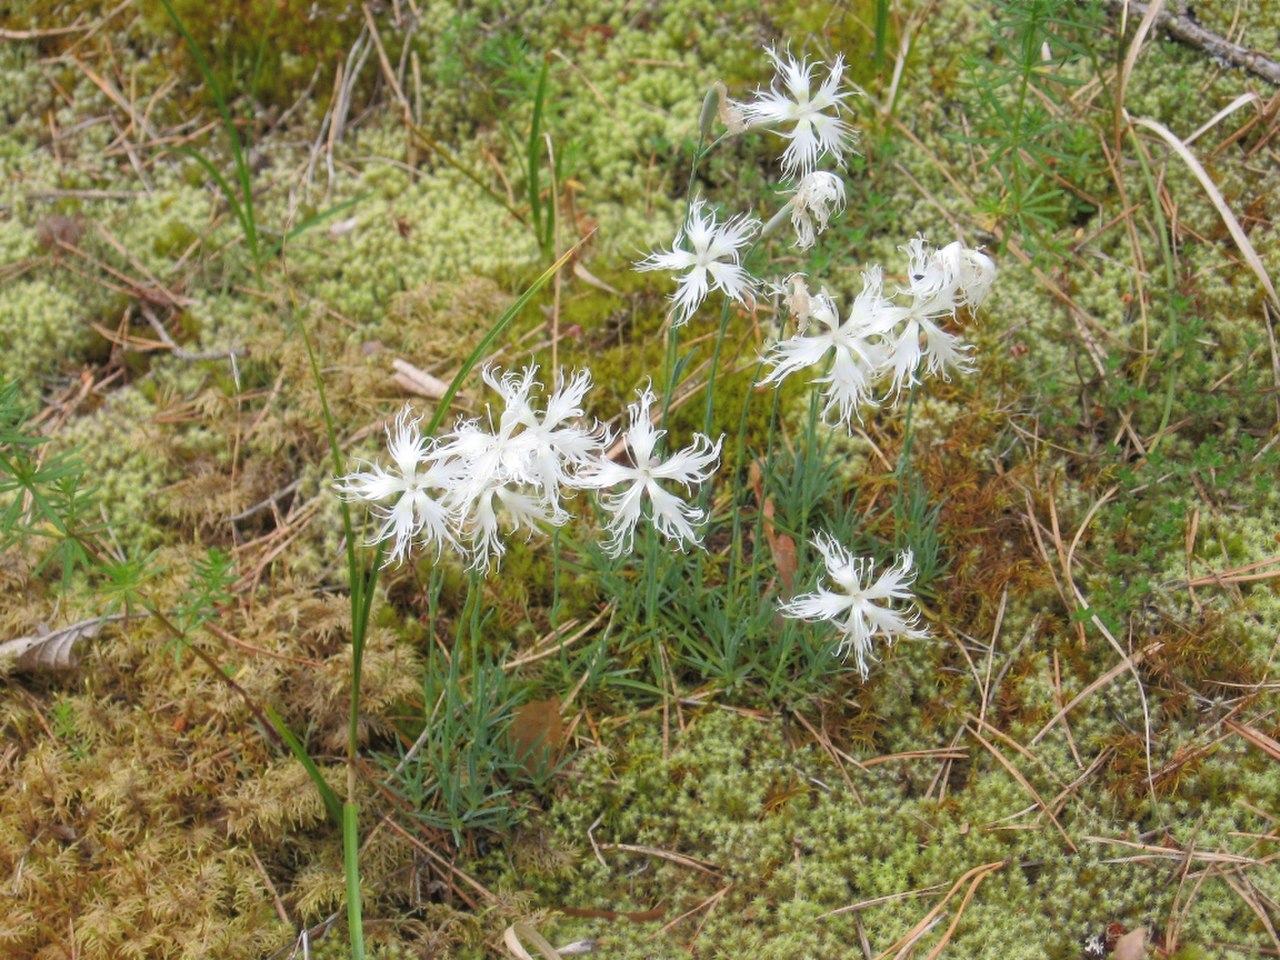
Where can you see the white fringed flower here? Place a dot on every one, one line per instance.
(490, 457)
(819, 127)
(712, 263)
(973, 270)
(858, 345)
(673, 517)
(938, 281)
(522, 467)
(815, 198)
(483, 526)
(420, 480)
(559, 445)
(860, 607)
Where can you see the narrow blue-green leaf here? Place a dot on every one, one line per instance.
(882, 30)
(351, 859)
(534, 154)
(495, 331)
(331, 802)
(229, 126)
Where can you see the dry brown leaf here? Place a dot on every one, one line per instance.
(1268, 745)
(781, 546)
(1132, 946)
(585, 275)
(514, 946)
(535, 733)
(412, 379)
(1215, 197)
(49, 651)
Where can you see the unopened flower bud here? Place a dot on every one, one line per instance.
(710, 108)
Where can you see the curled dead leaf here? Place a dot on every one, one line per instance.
(49, 651)
(781, 546)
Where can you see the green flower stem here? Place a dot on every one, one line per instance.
(351, 863)
(670, 365)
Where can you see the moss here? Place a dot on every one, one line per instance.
(231, 36)
(43, 326)
(792, 846)
(140, 791)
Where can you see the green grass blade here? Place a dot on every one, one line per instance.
(259, 57)
(229, 126)
(312, 221)
(355, 576)
(351, 860)
(222, 183)
(495, 331)
(882, 30)
(331, 802)
(534, 153)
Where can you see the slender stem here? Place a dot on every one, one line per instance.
(810, 445)
(768, 469)
(670, 364)
(555, 578)
(908, 434)
(362, 586)
(212, 664)
(903, 473)
(709, 411)
(351, 862)
(651, 533)
(735, 550)
(1171, 279)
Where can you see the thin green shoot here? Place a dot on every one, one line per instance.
(543, 231)
(245, 210)
(332, 805)
(882, 31)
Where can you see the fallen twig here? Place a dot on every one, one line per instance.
(1185, 30)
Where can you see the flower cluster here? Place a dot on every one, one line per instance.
(461, 490)
(516, 468)
(885, 338)
(523, 465)
(707, 253)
